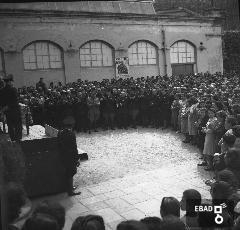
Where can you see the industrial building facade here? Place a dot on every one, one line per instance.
(64, 42)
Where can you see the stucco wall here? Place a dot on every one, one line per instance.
(18, 32)
(208, 59)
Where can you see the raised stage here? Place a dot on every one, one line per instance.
(39, 132)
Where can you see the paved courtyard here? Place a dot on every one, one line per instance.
(129, 172)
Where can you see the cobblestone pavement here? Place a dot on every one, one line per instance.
(129, 172)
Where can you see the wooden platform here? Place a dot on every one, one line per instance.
(38, 132)
(35, 132)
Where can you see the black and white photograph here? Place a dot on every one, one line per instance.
(120, 115)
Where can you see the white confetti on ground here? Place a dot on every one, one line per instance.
(114, 154)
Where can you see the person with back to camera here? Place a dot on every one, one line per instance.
(69, 153)
(152, 222)
(11, 108)
(173, 223)
(131, 225)
(41, 86)
(89, 222)
(170, 206)
(41, 221)
(53, 209)
(221, 192)
(190, 199)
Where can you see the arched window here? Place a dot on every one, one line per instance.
(142, 53)
(42, 55)
(182, 52)
(96, 54)
(182, 56)
(2, 69)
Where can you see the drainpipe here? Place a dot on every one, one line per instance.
(164, 51)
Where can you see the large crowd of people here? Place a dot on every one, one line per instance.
(205, 108)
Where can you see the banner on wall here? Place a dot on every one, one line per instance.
(122, 67)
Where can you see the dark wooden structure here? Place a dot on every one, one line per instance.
(45, 173)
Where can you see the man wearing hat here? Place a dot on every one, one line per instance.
(69, 152)
(11, 108)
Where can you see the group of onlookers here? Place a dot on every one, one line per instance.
(173, 214)
(205, 108)
(111, 103)
(211, 123)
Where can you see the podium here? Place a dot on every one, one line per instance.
(45, 173)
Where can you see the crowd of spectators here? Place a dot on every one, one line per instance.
(205, 108)
(123, 103)
(173, 214)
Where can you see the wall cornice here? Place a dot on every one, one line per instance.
(122, 16)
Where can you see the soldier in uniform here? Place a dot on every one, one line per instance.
(69, 153)
(11, 108)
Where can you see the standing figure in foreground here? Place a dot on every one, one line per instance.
(69, 152)
(11, 108)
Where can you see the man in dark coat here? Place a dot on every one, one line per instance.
(133, 108)
(11, 108)
(81, 113)
(69, 153)
(41, 86)
(108, 109)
